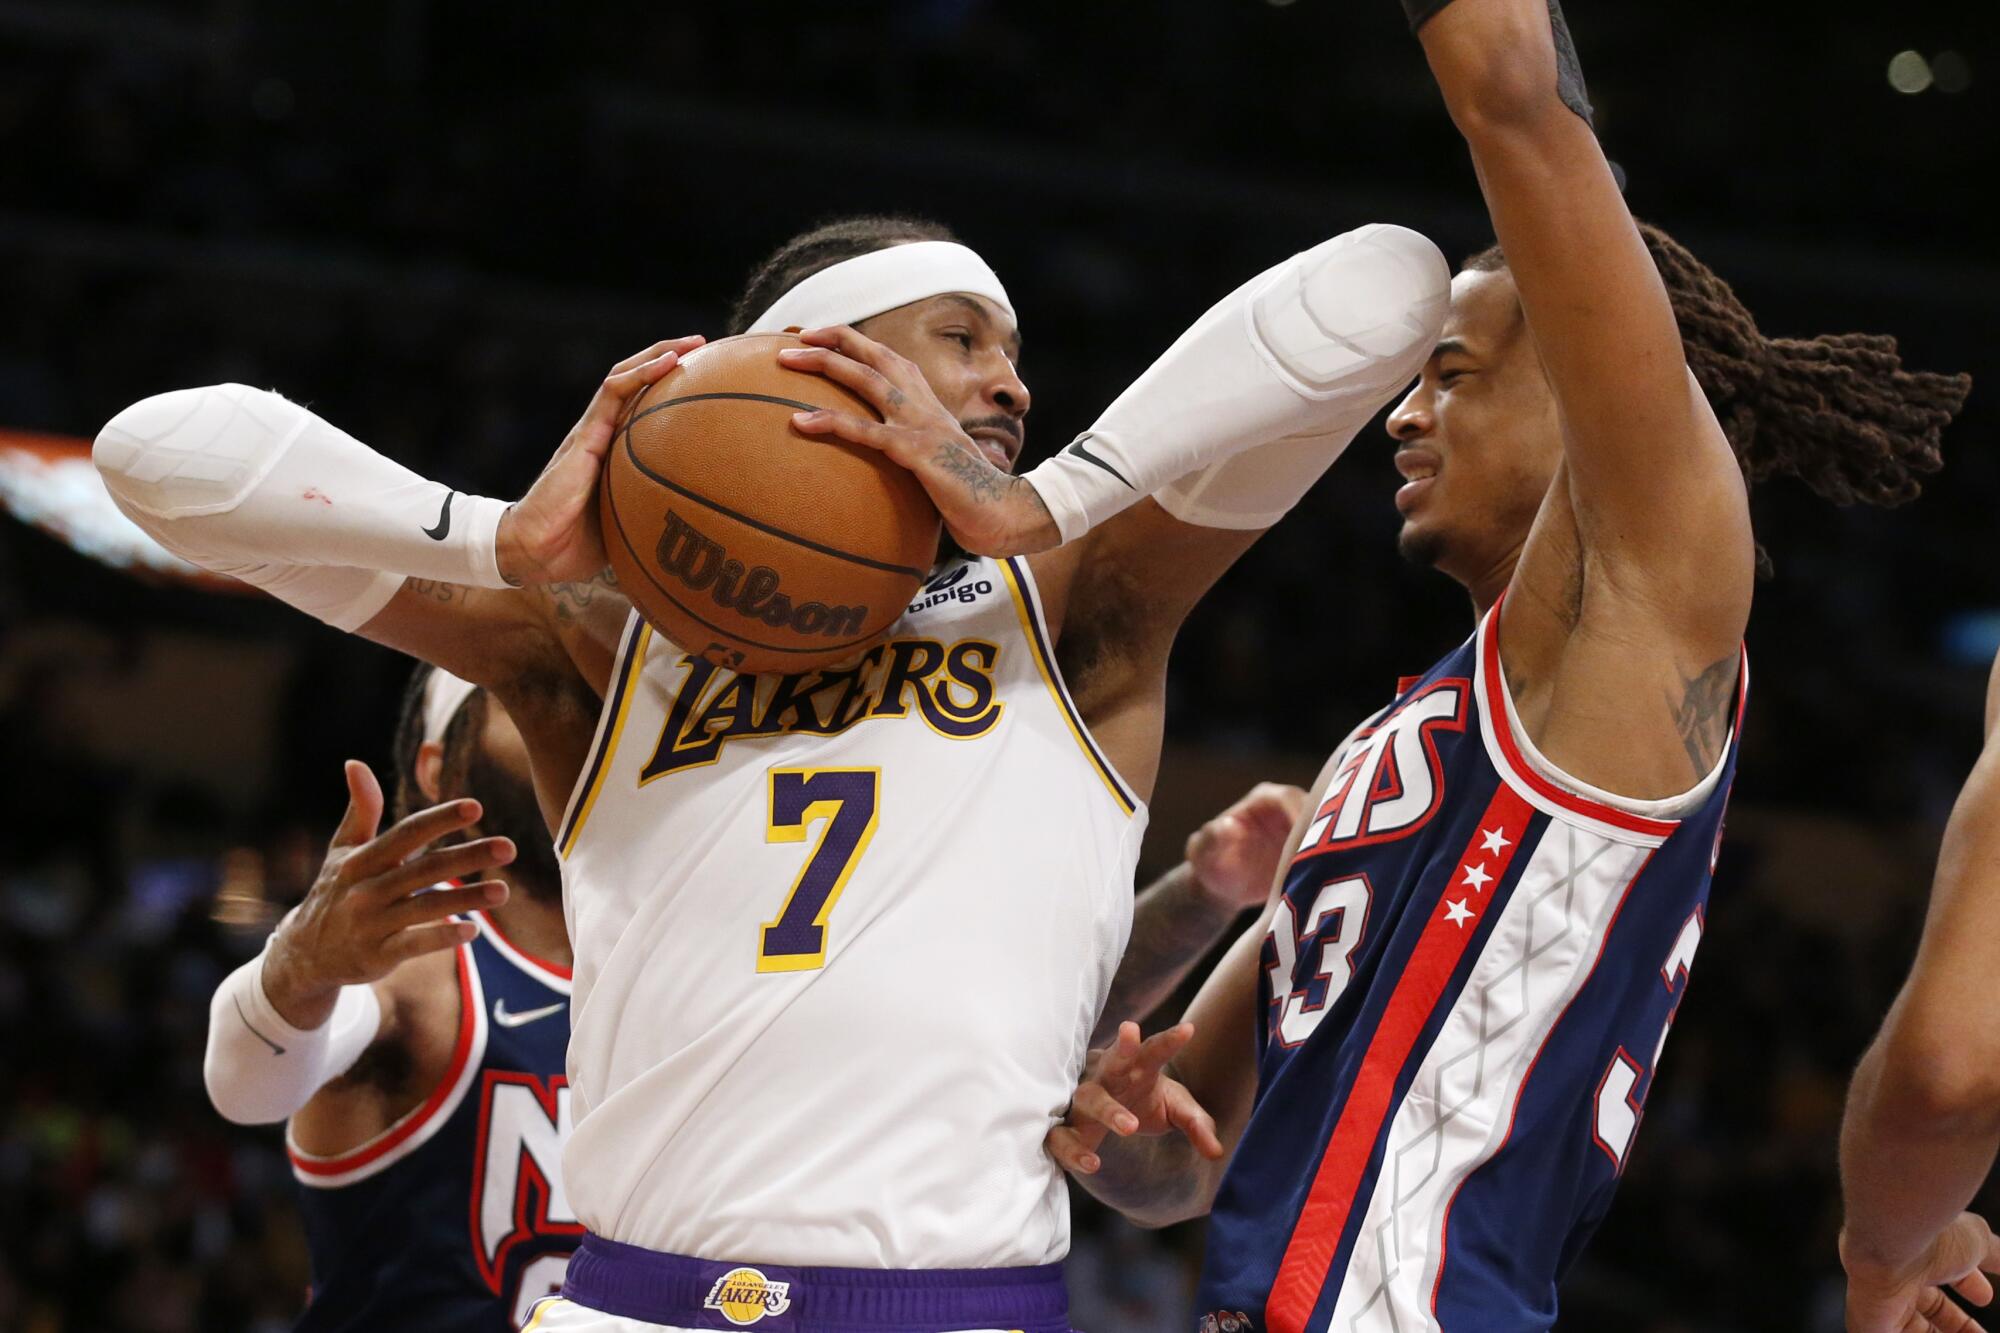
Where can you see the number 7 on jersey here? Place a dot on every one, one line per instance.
(848, 801)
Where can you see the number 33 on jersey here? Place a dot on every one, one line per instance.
(1466, 989)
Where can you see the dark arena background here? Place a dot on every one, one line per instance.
(438, 222)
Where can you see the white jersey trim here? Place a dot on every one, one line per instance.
(1557, 794)
(418, 1126)
(1034, 628)
(610, 721)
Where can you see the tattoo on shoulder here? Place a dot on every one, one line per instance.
(1702, 713)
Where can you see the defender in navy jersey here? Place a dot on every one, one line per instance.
(1429, 1058)
(428, 1145)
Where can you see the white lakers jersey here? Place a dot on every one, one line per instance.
(840, 942)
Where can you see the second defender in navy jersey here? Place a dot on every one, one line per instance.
(427, 1133)
(1428, 1059)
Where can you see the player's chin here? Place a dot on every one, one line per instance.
(1420, 543)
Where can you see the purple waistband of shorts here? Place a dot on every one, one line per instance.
(657, 1288)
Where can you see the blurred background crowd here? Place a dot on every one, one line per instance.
(439, 222)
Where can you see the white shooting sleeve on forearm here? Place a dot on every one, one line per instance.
(1251, 405)
(260, 1069)
(244, 482)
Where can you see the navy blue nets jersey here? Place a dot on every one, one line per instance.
(1466, 991)
(454, 1219)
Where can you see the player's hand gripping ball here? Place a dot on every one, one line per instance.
(746, 541)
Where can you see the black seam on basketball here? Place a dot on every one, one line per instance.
(696, 616)
(792, 537)
(741, 397)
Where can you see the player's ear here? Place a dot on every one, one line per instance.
(429, 769)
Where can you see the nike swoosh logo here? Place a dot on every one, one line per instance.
(275, 1048)
(1088, 457)
(443, 528)
(507, 1020)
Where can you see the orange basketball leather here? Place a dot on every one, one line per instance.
(745, 542)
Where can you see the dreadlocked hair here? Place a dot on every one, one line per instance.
(1838, 412)
(822, 247)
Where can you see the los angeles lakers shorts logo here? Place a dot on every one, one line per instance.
(744, 1296)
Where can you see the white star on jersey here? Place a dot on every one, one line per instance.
(1457, 913)
(1495, 839)
(1476, 877)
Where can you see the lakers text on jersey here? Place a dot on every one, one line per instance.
(841, 938)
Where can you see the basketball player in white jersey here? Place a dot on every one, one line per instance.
(840, 938)
(412, 1036)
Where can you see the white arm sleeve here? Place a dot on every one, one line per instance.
(246, 483)
(1245, 411)
(260, 1069)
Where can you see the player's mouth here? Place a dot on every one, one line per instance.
(1419, 466)
(1000, 444)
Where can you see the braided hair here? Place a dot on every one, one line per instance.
(1838, 412)
(822, 247)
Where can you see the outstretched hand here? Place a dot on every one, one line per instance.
(987, 509)
(374, 906)
(551, 535)
(1126, 1091)
(1913, 1299)
(1235, 855)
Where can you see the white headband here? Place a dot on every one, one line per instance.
(444, 695)
(867, 285)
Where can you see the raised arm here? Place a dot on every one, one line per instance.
(1214, 443)
(1657, 496)
(512, 597)
(1923, 1114)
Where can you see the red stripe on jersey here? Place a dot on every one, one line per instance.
(556, 968)
(468, 1022)
(1503, 731)
(1460, 908)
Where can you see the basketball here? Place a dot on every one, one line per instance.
(746, 542)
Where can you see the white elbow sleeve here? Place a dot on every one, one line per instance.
(259, 1069)
(244, 482)
(1245, 411)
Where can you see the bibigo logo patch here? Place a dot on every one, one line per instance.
(744, 1296)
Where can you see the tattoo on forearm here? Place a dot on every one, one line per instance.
(433, 590)
(573, 600)
(1702, 713)
(987, 483)
(1157, 1177)
(1173, 925)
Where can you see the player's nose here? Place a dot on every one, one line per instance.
(1006, 391)
(1412, 419)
